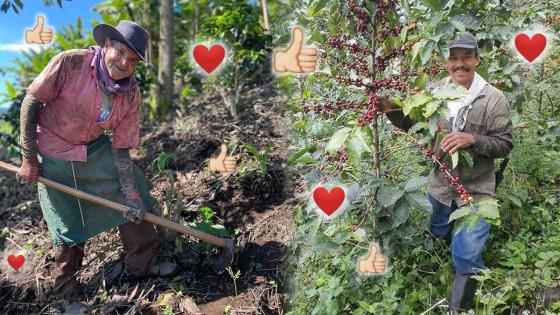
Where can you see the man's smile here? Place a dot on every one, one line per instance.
(461, 70)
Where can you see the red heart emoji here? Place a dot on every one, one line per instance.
(328, 201)
(16, 261)
(209, 60)
(530, 48)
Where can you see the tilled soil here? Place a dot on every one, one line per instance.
(251, 203)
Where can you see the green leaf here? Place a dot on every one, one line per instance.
(455, 159)
(355, 150)
(388, 195)
(417, 127)
(421, 81)
(508, 69)
(433, 125)
(449, 91)
(435, 5)
(444, 50)
(431, 107)
(401, 212)
(414, 101)
(488, 208)
(467, 157)
(427, 51)
(361, 139)
(463, 21)
(206, 213)
(459, 213)
(359, 235)
(418, 200)
(416, 49)
(337, 140)
(12, 92)
(294, 158)
(444, 112)
(252, 149)
(294, 108)
(415, 183)
(316, 6)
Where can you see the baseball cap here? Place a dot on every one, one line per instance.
(464, 40)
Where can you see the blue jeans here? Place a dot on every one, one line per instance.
(466, 246)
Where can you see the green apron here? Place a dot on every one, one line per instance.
(97, 176)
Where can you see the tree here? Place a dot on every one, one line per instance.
(238, 24)
(17, 5)
(165, 64)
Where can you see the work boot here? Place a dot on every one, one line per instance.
(462, 296)
(68, 262)
(141, 244)
(164, 268)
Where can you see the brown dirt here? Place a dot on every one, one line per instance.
(252, 205)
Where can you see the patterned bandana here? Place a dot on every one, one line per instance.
(121, 86)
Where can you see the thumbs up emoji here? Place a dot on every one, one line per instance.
(39, 34)
(223, 163)
(295, 58)
(373, 263)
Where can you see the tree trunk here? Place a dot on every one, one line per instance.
(147, 23)
(196, 18)
(265, 16)
(165, 69)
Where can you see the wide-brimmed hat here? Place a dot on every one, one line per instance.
(126, 32)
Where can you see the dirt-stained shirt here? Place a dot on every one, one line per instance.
(68, 118)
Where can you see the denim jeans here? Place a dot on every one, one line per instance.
(467, 245)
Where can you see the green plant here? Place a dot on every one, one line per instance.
(207, 226)
(161, 162)
(237, 24)
(168, 310)
(339, 138)
(234, 277)
(17, 5)
(258, 161)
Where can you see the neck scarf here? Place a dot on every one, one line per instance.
(121, 86)
(464, 104)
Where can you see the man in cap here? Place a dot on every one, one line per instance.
(479, 120)
(70, 108)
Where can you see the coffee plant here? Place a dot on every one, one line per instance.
(379, 49)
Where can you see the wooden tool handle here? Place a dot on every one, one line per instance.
(209, 238)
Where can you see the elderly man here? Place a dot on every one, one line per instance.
(480, 120)
(66, 118)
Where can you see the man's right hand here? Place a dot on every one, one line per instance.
(385, 105)
(137, 209)
(29, 171)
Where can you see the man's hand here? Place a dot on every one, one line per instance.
(29, 171)
(137, 209)
(455, 141)
(222, 163)
(387, 106)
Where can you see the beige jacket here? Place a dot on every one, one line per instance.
(489, 122)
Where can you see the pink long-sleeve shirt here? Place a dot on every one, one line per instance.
(68, 88)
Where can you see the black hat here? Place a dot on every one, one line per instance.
(127, 32)
(464, 40)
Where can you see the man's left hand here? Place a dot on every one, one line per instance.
(455, 141)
